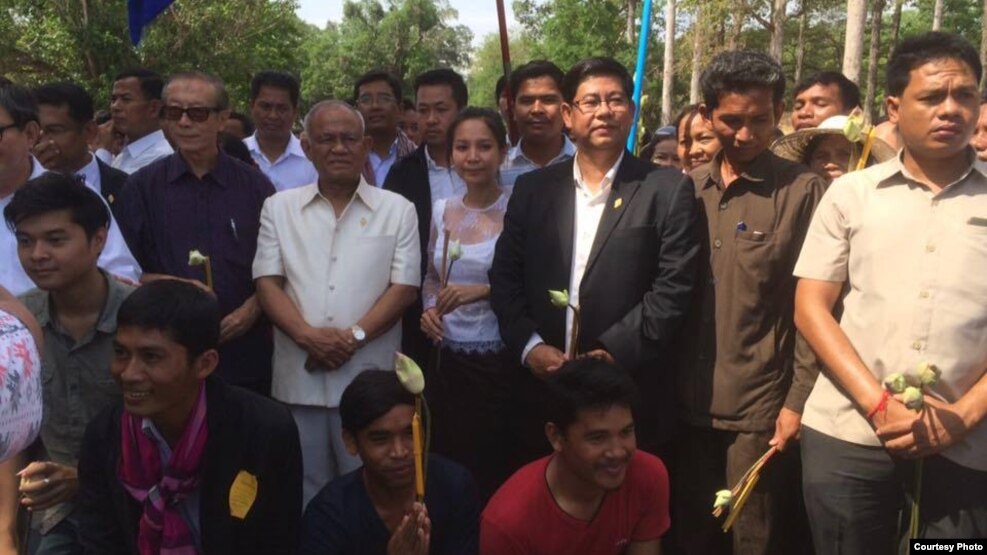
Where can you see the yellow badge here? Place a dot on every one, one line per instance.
(243, 493)
(617, 203)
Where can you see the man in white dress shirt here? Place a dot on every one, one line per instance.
(134, 104)
(337, 264)
(19, 131)
(277, 151)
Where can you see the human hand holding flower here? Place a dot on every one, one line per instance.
(453, 296)
(937, 427)
(431, 324)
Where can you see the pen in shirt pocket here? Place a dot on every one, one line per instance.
(233, 227)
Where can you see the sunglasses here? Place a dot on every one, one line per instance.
(195, 113)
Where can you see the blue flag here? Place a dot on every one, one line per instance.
(141, 13)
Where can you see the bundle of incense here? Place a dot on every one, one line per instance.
(741, 491)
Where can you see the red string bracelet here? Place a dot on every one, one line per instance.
(881, 405)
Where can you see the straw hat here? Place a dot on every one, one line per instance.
(794, 145)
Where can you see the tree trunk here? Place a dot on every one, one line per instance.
(896, 24)
(937, 15)
(778, 18)
(800, 49)
(853, 51)
(697, 55)
(668, 72)
(877, 12)
(631, 15)
(983, 42)
(737, 20)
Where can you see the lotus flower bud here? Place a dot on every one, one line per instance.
(455, 250)
(928, 374)
(896, 383)
(724, 498)
(912, 397)
(854, 129)
(560, 299)
(409, 374)
(196, 258)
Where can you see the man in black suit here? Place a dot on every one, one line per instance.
(65, 114)
(426, 176)
(619, 234)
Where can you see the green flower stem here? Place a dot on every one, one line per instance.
(913, 528)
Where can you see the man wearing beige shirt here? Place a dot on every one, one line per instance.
(337, 264)
(909, 238)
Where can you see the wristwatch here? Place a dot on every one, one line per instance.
(358, 334)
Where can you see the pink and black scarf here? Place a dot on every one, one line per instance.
(163, 530)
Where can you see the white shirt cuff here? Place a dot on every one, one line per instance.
(535, 341)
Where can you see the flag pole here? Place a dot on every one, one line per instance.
(505, 55)
(642, 56)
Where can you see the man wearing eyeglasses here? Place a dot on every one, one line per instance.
(377, 95)
(200, 199)
(616, 232)
(337, 264)
(277, 151)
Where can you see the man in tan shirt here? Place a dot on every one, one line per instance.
(909, 238)
(736, 392)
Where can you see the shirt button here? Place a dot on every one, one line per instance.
(723, 206)
(332, 287)
(930, 248)
(717, 243)
(923, 295)
(334, 259)
(330, 318)
(917, 345)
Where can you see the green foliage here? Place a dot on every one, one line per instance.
(488, 66)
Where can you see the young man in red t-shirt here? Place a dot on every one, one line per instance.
(596, 493)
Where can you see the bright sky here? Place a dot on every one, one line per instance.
(479, 15)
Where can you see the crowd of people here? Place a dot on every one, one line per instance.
(200, 309)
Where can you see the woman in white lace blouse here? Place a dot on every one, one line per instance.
(466, 391)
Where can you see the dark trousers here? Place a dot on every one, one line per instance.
(708, 460)
(858, 497)
(467, 397)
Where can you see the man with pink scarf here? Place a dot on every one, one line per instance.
(188, 464)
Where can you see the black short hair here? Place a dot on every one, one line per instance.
(51, 192)
(375, 75)
(78, 101)
(448, 77)
(916, 51)
(245, 121)
(490, 117)
(595, 67)
(740, 71)
(849, 91)
(278, 80)
(499, 88)
(182, 311)
(685, 116)
(587, 383)
(235, 148)
(151, 82)
(533, 70)
(18, 101)
(372, 394)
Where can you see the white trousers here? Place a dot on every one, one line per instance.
(324, 456)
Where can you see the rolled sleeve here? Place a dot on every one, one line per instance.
(406, 265)
(268, 260)
(826, 250)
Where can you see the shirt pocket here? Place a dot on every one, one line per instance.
(760, 256)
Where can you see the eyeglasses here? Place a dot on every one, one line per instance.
(197, 114)
(4, 129)
(590, 104)
(369, 100)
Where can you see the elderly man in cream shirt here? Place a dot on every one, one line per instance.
(337, 264)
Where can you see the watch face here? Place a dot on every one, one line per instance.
(359, 334)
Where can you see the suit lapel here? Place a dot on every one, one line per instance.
(624, 187)
(565, 207)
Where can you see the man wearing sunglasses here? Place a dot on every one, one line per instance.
(200, 199)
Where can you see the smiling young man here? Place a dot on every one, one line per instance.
(596, 493)
(187, 464)
(372, 510)
(61, 227)
(736, 392)
(537, 90)
(902, 241)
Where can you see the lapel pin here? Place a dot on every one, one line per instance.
(110, 198)
(617, 203)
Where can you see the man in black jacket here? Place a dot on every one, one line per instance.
(426, 175)
(617, 233)
(205, 465)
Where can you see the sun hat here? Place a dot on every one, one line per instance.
(795, 145)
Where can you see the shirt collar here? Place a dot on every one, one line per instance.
(608, 178)
(294, 147)
(432, 165)
(90, 172)
(37, 170)
(896, 166)
(758, 170)
(568, 151)
(221, 173)
(368, 194)
(116, 292)
(138, 147)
